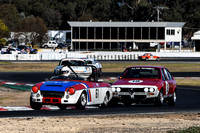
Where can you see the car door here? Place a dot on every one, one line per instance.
(168, 82)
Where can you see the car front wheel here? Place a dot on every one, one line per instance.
(82, 101)
(35, 106)
(160, 99)
(172, 100)
(105, 101)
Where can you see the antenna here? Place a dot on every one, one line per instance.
(158, 8)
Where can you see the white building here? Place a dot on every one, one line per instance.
(115, 35)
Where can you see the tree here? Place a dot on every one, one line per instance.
(10, 15)
(33, 29)
(3, 30)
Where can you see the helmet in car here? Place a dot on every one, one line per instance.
(65, 71)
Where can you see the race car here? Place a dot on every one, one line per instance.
(93, 62)
(79, 66)
(68, 90)
(148, 56)
(145, 84)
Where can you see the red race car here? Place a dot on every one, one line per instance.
(145, 84)
(149, 56)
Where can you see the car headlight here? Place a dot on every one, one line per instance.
(151, 89)
(71, 90)
(35, 89)
(146, 89)
(118, 89)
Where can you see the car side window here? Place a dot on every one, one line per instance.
(163, 75)
(166, 74)
(169, 75)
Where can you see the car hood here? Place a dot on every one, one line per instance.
(57, 85)
(134, 81)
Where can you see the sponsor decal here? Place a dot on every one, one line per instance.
(135, 81)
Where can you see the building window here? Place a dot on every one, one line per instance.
(170, 32)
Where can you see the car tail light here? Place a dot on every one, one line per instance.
(35, 89)
(71, 90)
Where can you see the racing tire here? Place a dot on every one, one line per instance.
(160, 99)
(100, 73)
(172, 99)
(157, 59)
(62, 107)
(45, 46)
(146, 59)
(82, 101)
(105, 101)
(35, 106)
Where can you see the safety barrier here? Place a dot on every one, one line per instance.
(58, 56)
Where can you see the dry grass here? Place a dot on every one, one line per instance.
(107, 66)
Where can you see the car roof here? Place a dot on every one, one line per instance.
(69, 59)
(148, 67)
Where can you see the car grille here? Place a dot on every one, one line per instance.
(52, 94)
(132, 89)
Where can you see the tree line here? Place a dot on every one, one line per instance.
(39, 16)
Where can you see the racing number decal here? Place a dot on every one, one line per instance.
(97, 93)
(166, 87)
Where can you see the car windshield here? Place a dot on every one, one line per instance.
(89, 62)
(141, 72)
(73, 63)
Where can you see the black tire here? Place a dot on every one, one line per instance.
(146, 59)
(100, 73)
(157, 59)
(62, 107)
(35, 106)
(105, 101)
(172, 100)
(160, 99)
(45, 46)
(82, 101)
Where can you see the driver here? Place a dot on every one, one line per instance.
(65, 71)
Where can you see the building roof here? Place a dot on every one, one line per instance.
(125, 24)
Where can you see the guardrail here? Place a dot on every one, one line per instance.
(58, 56)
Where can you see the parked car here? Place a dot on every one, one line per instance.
(79, 66)
(93, 62)
(149, 56)
(11, 50)
(145, 84)
(50, 44)
(25, 49)
(64, 90)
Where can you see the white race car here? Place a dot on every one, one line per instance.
(93, 62)
(79, 66)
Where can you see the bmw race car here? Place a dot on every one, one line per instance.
(67, 89)
(145, 84)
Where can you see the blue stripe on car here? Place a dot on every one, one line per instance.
(57, 85)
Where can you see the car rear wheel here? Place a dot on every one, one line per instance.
(105, 101)
(82, 101)
(146, 59)
(35, 106)
(158, 59)
(160, 99)
(172, 100)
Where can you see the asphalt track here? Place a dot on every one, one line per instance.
(187, 99)
(35, 77)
